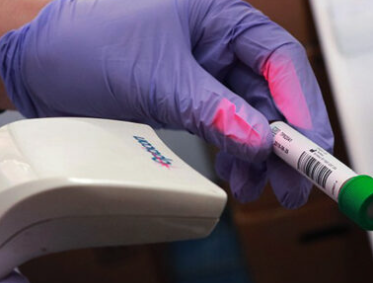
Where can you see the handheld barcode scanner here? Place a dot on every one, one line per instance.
(69, 183)
(352, 192)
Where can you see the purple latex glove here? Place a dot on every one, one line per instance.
(219, 69)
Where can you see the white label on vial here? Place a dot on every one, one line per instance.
(312, 161)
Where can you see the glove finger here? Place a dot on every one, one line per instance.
(204, 106)
(223, 165)
(254, 89)
(289, 186)
(283, 62)
(247, 179)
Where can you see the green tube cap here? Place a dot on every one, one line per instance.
(356, 200)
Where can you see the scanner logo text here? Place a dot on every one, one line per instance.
(156, 155)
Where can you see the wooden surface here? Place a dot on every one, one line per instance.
(135, 264)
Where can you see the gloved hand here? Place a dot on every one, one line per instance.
(217, 68)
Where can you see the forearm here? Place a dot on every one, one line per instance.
(14, 14)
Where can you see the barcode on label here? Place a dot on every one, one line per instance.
(313, 169)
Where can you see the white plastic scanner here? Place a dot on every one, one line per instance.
(69, 183)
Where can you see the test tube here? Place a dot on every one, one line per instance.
(352, 192)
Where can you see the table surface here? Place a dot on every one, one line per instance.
(345, 29)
